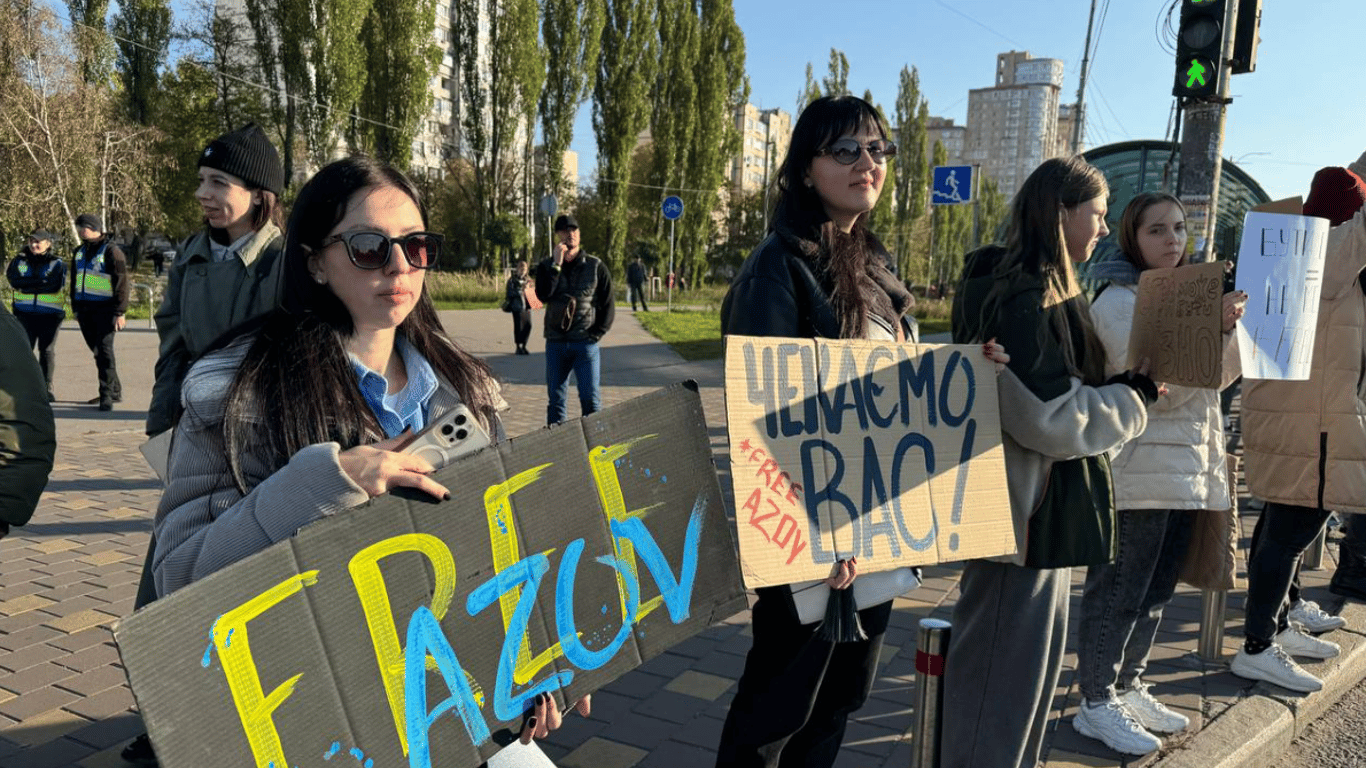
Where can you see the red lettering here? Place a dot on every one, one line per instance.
(777, 485)
(797, 550)
(753, 456)
(794, 492)
(744, 446)
(778, 537)
(766, 471)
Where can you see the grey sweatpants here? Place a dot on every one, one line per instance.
(1005, 653)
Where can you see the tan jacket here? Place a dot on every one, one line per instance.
(1305, 441)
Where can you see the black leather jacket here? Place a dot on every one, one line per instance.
(776, 293)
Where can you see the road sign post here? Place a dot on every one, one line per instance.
(547, 208)
(673, 210)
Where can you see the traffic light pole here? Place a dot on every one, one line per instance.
(1202, 145)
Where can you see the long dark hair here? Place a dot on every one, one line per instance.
(842, 258)
(1129, 221)
(296, 376)
(1036, 247)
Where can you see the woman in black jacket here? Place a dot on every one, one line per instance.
(819, 273)
(516, 303)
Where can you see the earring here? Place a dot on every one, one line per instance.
(319, 279)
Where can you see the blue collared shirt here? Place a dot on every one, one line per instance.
(406, 408)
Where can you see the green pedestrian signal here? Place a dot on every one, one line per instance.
(1200, 55)
(1195, 75)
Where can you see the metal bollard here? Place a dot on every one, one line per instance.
(1312, 559)
(931, 650)
(1212, 605)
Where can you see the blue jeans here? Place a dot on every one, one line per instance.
(581, 358)
(1122, 604)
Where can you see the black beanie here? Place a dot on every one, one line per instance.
(247, 154)
(90, 221)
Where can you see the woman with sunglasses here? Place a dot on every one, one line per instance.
(1059, 417)
(819, 273)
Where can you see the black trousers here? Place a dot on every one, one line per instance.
(521, 327)
(42, 333)
(797, 692)
(638, 291)
(97, 326)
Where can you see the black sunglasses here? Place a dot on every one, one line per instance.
(371, 250)
(847, 151)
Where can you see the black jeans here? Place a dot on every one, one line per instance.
(1286, 531)
(797, 692)
(97, 326)
(638, 292)
(42, 333)
(521, 327)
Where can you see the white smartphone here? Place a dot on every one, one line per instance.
(454, 434)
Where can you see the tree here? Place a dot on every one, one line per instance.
(92, 44)
(322, 63)
(810, 91)
(882, 220)
(187, 111)
(913, 175)
(626, 67)
(994, 208)
(143, 30)
(401, 58)
(497, 67)
(722, 91)
(572, 30)
(218, 40)
(952, 231)
(836, 81)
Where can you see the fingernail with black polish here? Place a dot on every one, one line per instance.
(447, 497)
(531, 724)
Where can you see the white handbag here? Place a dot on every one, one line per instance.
(811, 597)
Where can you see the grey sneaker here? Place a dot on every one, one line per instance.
(1308, 614)
(1111, 723)
(1151, 713)
(1296, 643)
(1274, 666)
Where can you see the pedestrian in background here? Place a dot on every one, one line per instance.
(37, 277)
(635, 283)
(226, 275)
(516, 302)
(579, 308)
(28, 435)
(99, 297)
(1059, 418)
(1162, 478)
(1304, 443)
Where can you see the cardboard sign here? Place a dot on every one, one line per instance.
(1178, 324)
(886, 452)
(409, 632)
(1280, 266)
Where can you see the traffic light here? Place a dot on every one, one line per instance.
(1200, 66)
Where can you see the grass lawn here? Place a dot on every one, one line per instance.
(697, 335)
(693, 335)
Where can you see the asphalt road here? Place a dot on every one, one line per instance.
(1335, 740)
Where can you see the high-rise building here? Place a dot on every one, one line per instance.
(764, 136)
(953, 137)
(1013, 125)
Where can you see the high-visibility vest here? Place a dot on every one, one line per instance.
(38, 303)
(92, 281)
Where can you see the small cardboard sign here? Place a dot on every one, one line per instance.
(1280, 267)
(1178, 325)
(883, 451)
(414, 632)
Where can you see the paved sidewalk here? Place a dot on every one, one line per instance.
(66, 578)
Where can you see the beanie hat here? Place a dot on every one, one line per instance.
(247, 154)
(91, 221)
(1335, 194)
(42, 234)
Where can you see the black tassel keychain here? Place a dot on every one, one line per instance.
(841, 624)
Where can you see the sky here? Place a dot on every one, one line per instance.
(1302, 109)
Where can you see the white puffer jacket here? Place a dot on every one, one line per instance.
(1178, 462)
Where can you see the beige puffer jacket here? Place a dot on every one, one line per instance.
(1179, 461)
(1305, 441)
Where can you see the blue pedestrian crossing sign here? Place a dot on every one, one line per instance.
(951, 185)
(673, 207)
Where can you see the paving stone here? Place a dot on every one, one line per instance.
(23, 604)
(35, 677)
(110, 732)
(598, 752)
(95, 680)
(76, 622)
(31, 704)
(678, 754)
(700, 685)
(90, 658)
(115, 701)
(674, 707)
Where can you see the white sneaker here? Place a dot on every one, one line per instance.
(1313, 618)
(1296, 643)
(1111, 723)
(1151, 713)
(1274, 666)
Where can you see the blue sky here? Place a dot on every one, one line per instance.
(1302, 109)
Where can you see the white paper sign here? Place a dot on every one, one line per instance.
(1280, 267)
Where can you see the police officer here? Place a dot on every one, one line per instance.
(37, 276)
(99, 297)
